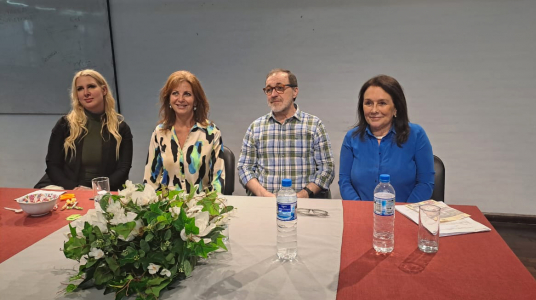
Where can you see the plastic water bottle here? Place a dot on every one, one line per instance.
(383, 239)
(287, 222)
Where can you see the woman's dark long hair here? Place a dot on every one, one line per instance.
(401, 121)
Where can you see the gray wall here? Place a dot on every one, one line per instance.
(468, 69)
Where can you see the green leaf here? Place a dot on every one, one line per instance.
(90, 262)
(104, 202)
(187, 267)
(75, 248)
(98, 232)
(73, 230)
(160, 226)
(124, 229)
(76, 277)
(209, 205)
(226, 209)
(70, 288)
(149, 237)
(150, 216)
(156, 280)
(144, 246)
(179, 223)
(156, 289)
(155, 207)
(102, 275)
(176, 203)
(190, 227)
(193, 189)
(162, 219)
(220, 243)
(112, 264)
(169, 257)
(167, 236)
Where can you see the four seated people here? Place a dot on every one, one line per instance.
(186, 149)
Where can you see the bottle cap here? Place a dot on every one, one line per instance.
(385, 178)
(286, 182)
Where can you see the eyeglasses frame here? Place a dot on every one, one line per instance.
(274, 88)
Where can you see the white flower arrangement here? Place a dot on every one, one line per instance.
(140, 241)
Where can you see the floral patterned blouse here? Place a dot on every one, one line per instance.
(198, 161)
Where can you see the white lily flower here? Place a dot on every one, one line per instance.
(94, 218)
(152, 268)
(115, 208)
(183, 235)
(201, 222)
(120, 217)
(97, 253)
(194, 210)
(175, 211)
(165, 272)
(127, 192)
(145, 197)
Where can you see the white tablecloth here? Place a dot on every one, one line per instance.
(250, 270)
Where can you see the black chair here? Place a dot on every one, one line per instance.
(439, 181)
(229, 161)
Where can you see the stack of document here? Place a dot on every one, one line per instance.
(453, 221)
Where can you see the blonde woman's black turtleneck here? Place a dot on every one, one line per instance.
(92, 149)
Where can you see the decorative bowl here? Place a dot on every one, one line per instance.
(38, 204)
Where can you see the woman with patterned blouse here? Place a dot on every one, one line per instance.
(185, 149)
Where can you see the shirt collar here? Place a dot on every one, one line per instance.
(393, 130)
(297, 115)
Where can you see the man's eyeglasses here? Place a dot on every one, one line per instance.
(312, 212)
(280, 88)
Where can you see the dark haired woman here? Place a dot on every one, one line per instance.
(384, 142)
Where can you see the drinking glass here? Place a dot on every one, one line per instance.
(428, 235)
(101, 186)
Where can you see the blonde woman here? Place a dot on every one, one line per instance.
(92, 140)
(186, 148)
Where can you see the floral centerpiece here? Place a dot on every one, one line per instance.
(140, 241)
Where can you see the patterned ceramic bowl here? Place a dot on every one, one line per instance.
(38, 204)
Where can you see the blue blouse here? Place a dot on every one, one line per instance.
(411, 166)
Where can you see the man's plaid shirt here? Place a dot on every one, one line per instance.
(298, 149)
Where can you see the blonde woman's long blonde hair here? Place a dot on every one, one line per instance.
(77, 118)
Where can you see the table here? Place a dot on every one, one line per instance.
(473, 266)
(22, 231)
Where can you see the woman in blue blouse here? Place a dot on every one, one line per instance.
(384, 142)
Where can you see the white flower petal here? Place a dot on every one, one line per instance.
(165, 272)
(152, 268)
(97, 253)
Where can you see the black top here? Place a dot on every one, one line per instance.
(66, 172)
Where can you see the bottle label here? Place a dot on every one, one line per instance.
(286, 211)
(384, 207)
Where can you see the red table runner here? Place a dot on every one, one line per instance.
(19, 231)
(470, 266)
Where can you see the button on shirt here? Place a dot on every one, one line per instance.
(411, 166)
(298, 149)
